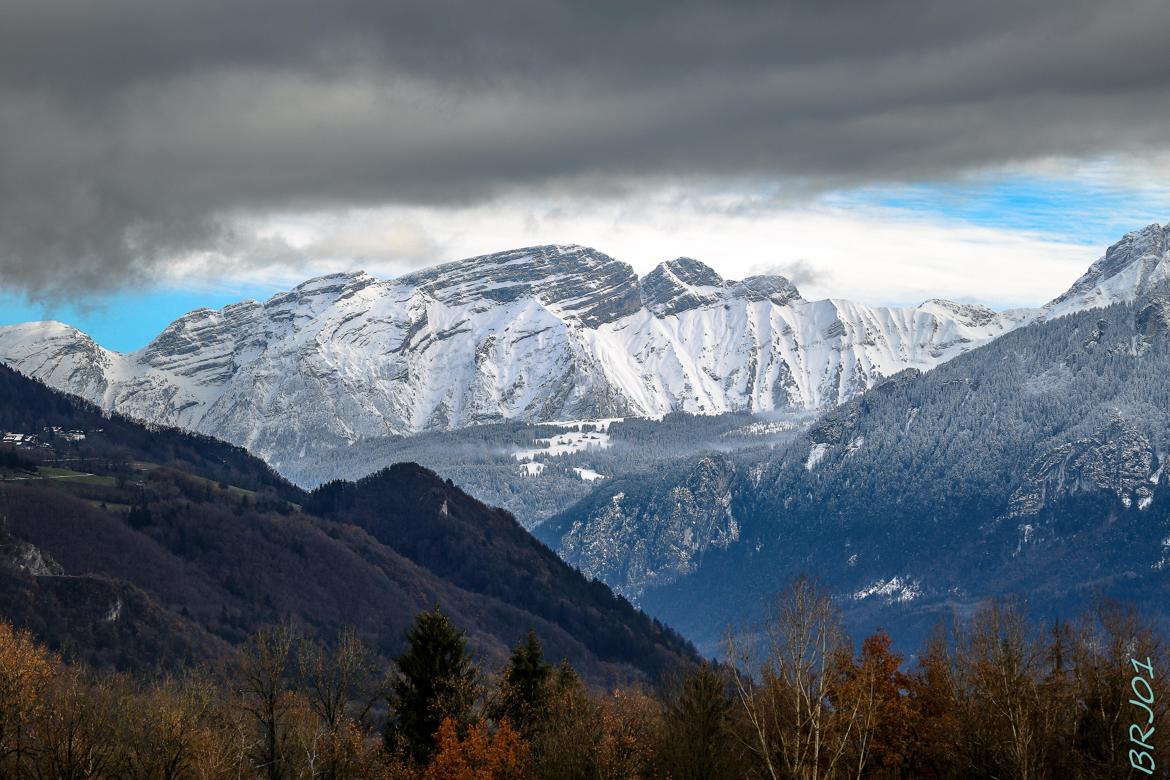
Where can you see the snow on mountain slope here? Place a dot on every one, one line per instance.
(1129, 268)
(535, 334)
(61, 356)
(740, 354)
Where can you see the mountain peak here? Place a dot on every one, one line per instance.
(45, 329)
(1140, 260)
(685, 283)
(973, 314)
(329, 287)
(693, 272)
(774, 287)
(681, 284)
(579, 281)
(541, 333)
(329, 280)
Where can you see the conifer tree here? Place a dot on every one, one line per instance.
(696, 744)
(436, 681)
(524, 692)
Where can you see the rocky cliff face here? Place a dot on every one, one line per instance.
(651, 540)
(1117, 459)
(24, 558)
(1130, 268)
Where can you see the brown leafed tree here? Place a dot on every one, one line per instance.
(77, 734)
(1101, 647)
(932, 750)
(338, 681)
(166, 728)
(1000, 667)
(877, 689)
(631, 723)
(482, 754)
(26, 670)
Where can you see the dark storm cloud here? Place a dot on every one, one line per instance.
(135, 130)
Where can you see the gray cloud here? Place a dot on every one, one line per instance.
(133, 131)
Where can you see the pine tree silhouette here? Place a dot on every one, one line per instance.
(524, 693)
(436, 681)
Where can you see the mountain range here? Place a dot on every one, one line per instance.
(958, 453)
(538, 334)
(1032, 466)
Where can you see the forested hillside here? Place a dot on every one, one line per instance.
(134, 547)
(1033, 465)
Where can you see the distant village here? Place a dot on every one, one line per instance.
(42, 439)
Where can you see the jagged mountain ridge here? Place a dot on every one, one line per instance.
(533, 334)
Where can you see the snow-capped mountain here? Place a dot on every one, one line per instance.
(1036, 463)
(535, 334)
(1129, 269)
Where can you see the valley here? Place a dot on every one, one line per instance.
(695, 510)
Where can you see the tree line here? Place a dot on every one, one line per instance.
(993, 696)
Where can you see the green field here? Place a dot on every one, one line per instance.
(52, 472)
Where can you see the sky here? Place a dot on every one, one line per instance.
(160, 156)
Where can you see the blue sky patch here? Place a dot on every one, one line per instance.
(128, 320)
(1080, 211)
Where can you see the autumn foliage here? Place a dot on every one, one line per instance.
(995, 696)
(481, 754)
(25, 674)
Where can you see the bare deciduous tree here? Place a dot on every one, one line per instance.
(796, 730)
(338, 682)
(1000, 668)
(264, 695)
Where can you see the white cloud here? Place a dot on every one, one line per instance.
(863, 253)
